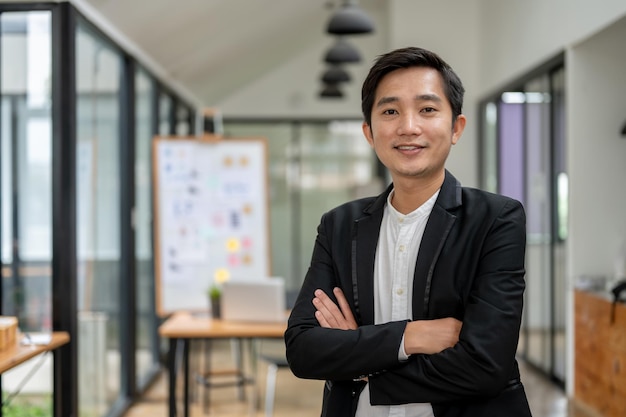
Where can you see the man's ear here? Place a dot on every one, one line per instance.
(458, 127)
(367, 132)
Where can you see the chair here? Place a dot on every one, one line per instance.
(274, 362)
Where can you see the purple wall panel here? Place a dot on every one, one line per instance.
(511, 150)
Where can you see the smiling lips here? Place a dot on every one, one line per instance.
(408, 147)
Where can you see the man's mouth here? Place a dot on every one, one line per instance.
(408, 147)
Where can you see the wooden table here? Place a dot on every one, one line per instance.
(184, 327)
(20, 353)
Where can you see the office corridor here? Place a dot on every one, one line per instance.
(302, 398)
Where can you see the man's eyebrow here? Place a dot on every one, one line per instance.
(386, 100)
(419, 97)
(428, 97)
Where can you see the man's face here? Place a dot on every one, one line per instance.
(411, 128)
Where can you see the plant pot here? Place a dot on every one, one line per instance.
(216, 307)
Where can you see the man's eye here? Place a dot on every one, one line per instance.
(390, 111)
(429, 109)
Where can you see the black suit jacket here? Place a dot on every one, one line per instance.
(470, 266)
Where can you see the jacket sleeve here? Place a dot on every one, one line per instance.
(482, 363)
(319, 353)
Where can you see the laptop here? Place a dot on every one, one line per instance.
(259, 300)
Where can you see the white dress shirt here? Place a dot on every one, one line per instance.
(394, 268)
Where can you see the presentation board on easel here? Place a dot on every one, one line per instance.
(211, 216)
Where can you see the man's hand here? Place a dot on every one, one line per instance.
(431, 336)
(330, 315)
(422, 336)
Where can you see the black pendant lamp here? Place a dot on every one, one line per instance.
(331, 90)
(350, 19)
(335, 74)
(342, 52)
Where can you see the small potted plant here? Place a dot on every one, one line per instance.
(215, 298)
(215, 293)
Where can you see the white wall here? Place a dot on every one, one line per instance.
(517, 36)
(597, 150)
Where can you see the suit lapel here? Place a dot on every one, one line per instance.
(437, 230)
(363, 263)
(365, 233)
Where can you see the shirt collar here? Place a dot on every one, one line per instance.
(421, 211)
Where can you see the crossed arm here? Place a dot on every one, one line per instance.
(423, 336)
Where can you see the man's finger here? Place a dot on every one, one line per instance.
(323, 314)
(329, 305)
(322, 320)
(345, 308)
(332, 315)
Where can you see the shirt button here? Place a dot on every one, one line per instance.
(399, 291)
(401, 248)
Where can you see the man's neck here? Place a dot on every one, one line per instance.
(409, 194)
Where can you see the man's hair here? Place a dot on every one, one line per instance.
(407, 58)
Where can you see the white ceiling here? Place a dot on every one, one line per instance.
(213, 47)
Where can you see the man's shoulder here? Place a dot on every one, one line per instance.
(344, 215)
(483, 194)
(473, 196)
(355, 207)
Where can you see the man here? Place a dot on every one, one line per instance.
(413, 300)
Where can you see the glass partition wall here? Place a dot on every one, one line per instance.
(313, 167)
(77, 118)
(98, 226)
(523, 156)
(26, 193)
(147, 342)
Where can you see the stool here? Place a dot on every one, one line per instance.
(221, 378)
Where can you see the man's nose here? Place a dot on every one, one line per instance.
(409, 124)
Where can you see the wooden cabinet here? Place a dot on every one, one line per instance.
(600, 354)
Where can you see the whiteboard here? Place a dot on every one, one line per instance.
(211, 217)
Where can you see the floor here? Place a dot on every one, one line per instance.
(302, 398)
